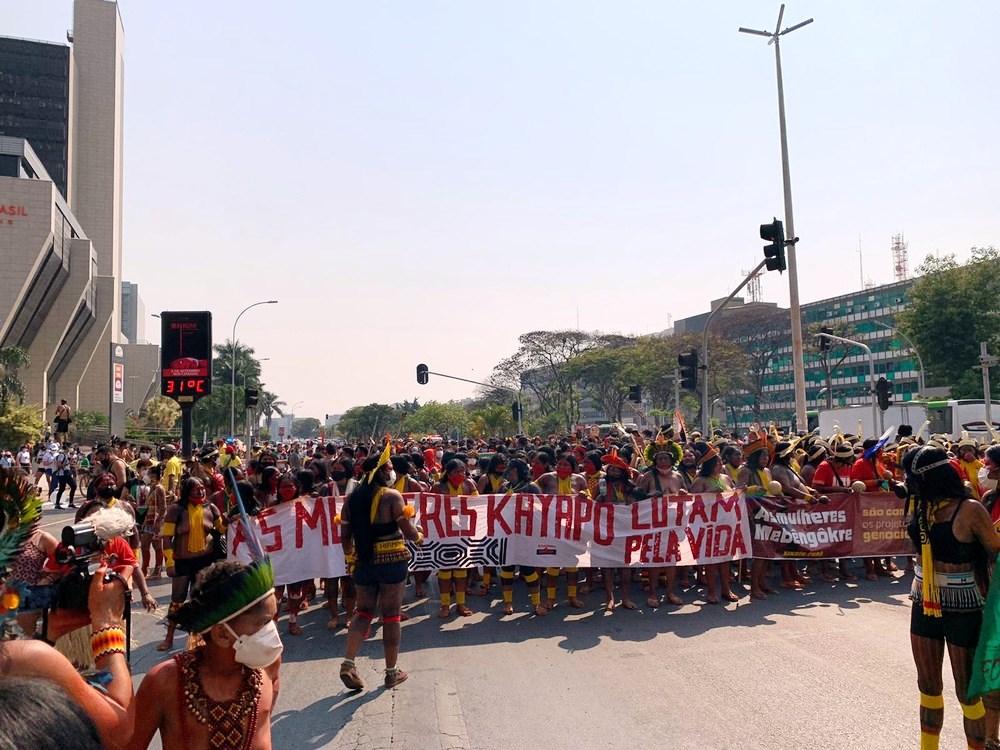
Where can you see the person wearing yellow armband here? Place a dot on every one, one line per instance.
(455, 482)
(953, 534)
(187, 544)
(755, 479)
(563, 481)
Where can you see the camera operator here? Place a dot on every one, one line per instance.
(33, 658)
(105, 497)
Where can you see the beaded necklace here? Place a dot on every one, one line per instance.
(231, 724)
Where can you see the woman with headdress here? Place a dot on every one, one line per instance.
(953, 534)
(374, 522)
(712, 478)
(755, 479)
(783, 472)
(618, 490)
(658, 480)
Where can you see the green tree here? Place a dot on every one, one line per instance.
(371, 421)
(952, 308)
(161, 413)
(307, 427)
(606, 374)
(84, 421)
(20, 424)
(439, 418)
(268, 404)
(246, 365)
(12, 359)
(492, 420)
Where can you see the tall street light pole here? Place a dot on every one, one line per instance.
(920, 361)
(232, 365)
(798, 366)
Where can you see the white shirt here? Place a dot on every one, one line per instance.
(24, 458)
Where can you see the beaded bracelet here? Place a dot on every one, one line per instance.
(110, 640)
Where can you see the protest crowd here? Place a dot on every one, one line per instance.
(144, 513)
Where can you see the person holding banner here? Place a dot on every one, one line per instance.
(954, 534)
(452, 484)
(711, 478)
(563, 481)
(755, 478)
(663, 479)
(518, 476)
(619, 490)
(374, 522)
(342, 484)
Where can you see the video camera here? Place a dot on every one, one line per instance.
(80, 548)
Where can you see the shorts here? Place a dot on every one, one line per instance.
(62, 425)
(374, 575)
(957, 628)
(190, 567)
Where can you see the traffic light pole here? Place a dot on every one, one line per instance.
(877, 416)
(704, 344)
(517, 394)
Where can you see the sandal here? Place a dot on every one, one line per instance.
(653, 601)
(674, 599)
(294, 628)
(349, 676)
(540, 611)
(333, 623)
(463, 611)
(508, 609)
(729, 596)
(394, 676)
(445, 611)
(628, 604)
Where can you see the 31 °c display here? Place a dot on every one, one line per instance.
(186, 355)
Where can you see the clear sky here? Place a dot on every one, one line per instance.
(424, 181)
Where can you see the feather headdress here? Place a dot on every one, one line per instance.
(20, 509)
(226, 599)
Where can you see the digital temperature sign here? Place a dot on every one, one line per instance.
(185, 355)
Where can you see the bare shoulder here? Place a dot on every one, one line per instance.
(161, 680)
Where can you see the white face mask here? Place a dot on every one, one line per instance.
(259, 650)
(987, 484)
(391, 479)
(439, 454)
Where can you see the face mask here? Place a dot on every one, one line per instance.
(197, 499)
(259, 650)
(987, 484)
(563, 472)
(456, 479)
(337, 475)
(286, 493)
(439, 454)
(106, 492)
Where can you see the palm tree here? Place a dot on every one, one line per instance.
(246, 364)
(269, 405)
(12, 358)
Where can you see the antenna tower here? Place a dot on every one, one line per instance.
(753, 286)
(900, 263)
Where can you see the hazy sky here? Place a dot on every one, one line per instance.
(424, 181)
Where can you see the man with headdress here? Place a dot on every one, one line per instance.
(232, 609)
(969, 464)
(374, 522)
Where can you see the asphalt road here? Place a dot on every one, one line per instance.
(828, 667)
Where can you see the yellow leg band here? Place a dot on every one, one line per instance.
(929, 741)
(444, 575)
(552, 571)
(506, 576)
(534, 597)
(974, 711)
(934, 702)
(550, 591)
(461, 574)
(446, 599)
(533, 578)
(508, 596)
(459, 598)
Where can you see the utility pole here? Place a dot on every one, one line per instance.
(876, 412)
(985, 363)
(798, 366)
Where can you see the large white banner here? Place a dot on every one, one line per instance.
(304, 542)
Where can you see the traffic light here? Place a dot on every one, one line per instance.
(688, 362)
(775, 252)
(422, 374)
(635, 394)
(250, 396)
(883, 392)
(823, 341)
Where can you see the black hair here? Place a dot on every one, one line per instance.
(993, 454)
(544, 457)
(417, 459)
(156, 469)
(400, 464)
(37, 714)
(359, 503)
(306, 480)
(595, 458)
(753, 460)
(497, 459)
(930, 485)
(186, 486)
(521, 468)
(319, 472)
(453, 464)
(569, 458)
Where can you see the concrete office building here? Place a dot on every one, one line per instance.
(68, 99)
(870, 316)
(133, 314)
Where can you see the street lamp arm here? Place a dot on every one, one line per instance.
(232, 364)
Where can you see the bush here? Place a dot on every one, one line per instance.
(20, 424)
